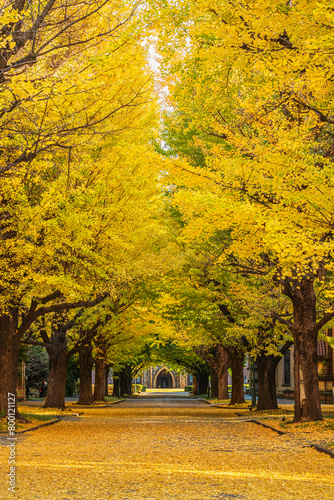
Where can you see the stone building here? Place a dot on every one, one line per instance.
(160, 377)
(285, 372)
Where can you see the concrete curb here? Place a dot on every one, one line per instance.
(322, 449)
(213, 404)
(281, 433)
(231, 407)
(224, 407)
(39, 426)
(106, 405)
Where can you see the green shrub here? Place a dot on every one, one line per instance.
(143, 389)
(188, 388)
(139, 388)
(71, 377)
(36, 370)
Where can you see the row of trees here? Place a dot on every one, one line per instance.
(81, 217)
(250, 129)
(217, 244)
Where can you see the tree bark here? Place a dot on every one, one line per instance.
(214, 384)
(9, 358)
(219, 384)
(107, 379)
(86, 365)
(267, 365)
(125, 381)
(11, 334)
(217, 359)
(307, 395)
(203, 382)
(115, 384)
(100, 380)
(305, 332)
(220, 363)
(195, 385)
(222, 382)
(57, 375)
(237, 359)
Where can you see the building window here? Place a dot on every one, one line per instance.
(287, 377)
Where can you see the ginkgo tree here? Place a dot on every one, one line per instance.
(247, 302)
(51, 86)
(254, 81)
(102, 230)
(82, 203)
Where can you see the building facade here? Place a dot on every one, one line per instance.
(161, 377)
(285, 373)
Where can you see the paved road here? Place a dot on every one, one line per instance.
(183, 397)
(161, 399)
(163, 395)
(165, 447)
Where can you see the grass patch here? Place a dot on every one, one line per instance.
(111, 399)
(269, 413)
(38, 417)
(321, 433)
(327, 424)
(226, 402)
(29, 411)
(220, 401)
(34, 420)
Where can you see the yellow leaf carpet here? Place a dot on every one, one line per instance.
(178, 449)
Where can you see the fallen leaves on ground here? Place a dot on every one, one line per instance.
(321, 433)
(226, 402)
(187, 451)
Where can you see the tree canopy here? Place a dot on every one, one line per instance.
(202, 195)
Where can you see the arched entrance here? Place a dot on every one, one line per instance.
(164, 380)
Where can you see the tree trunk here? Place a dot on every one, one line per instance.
(86, 365)
(219, 363)
(237, 359)
(107, 380)
(203, 382)
(267, 365)
(304, 330)
(222, 384)
(214, 384)
(115, 389)
(9, 358)
(100, 380)
(125, 381)
(217, 359)
(307, 396)
(57, 377)
(195, 385)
